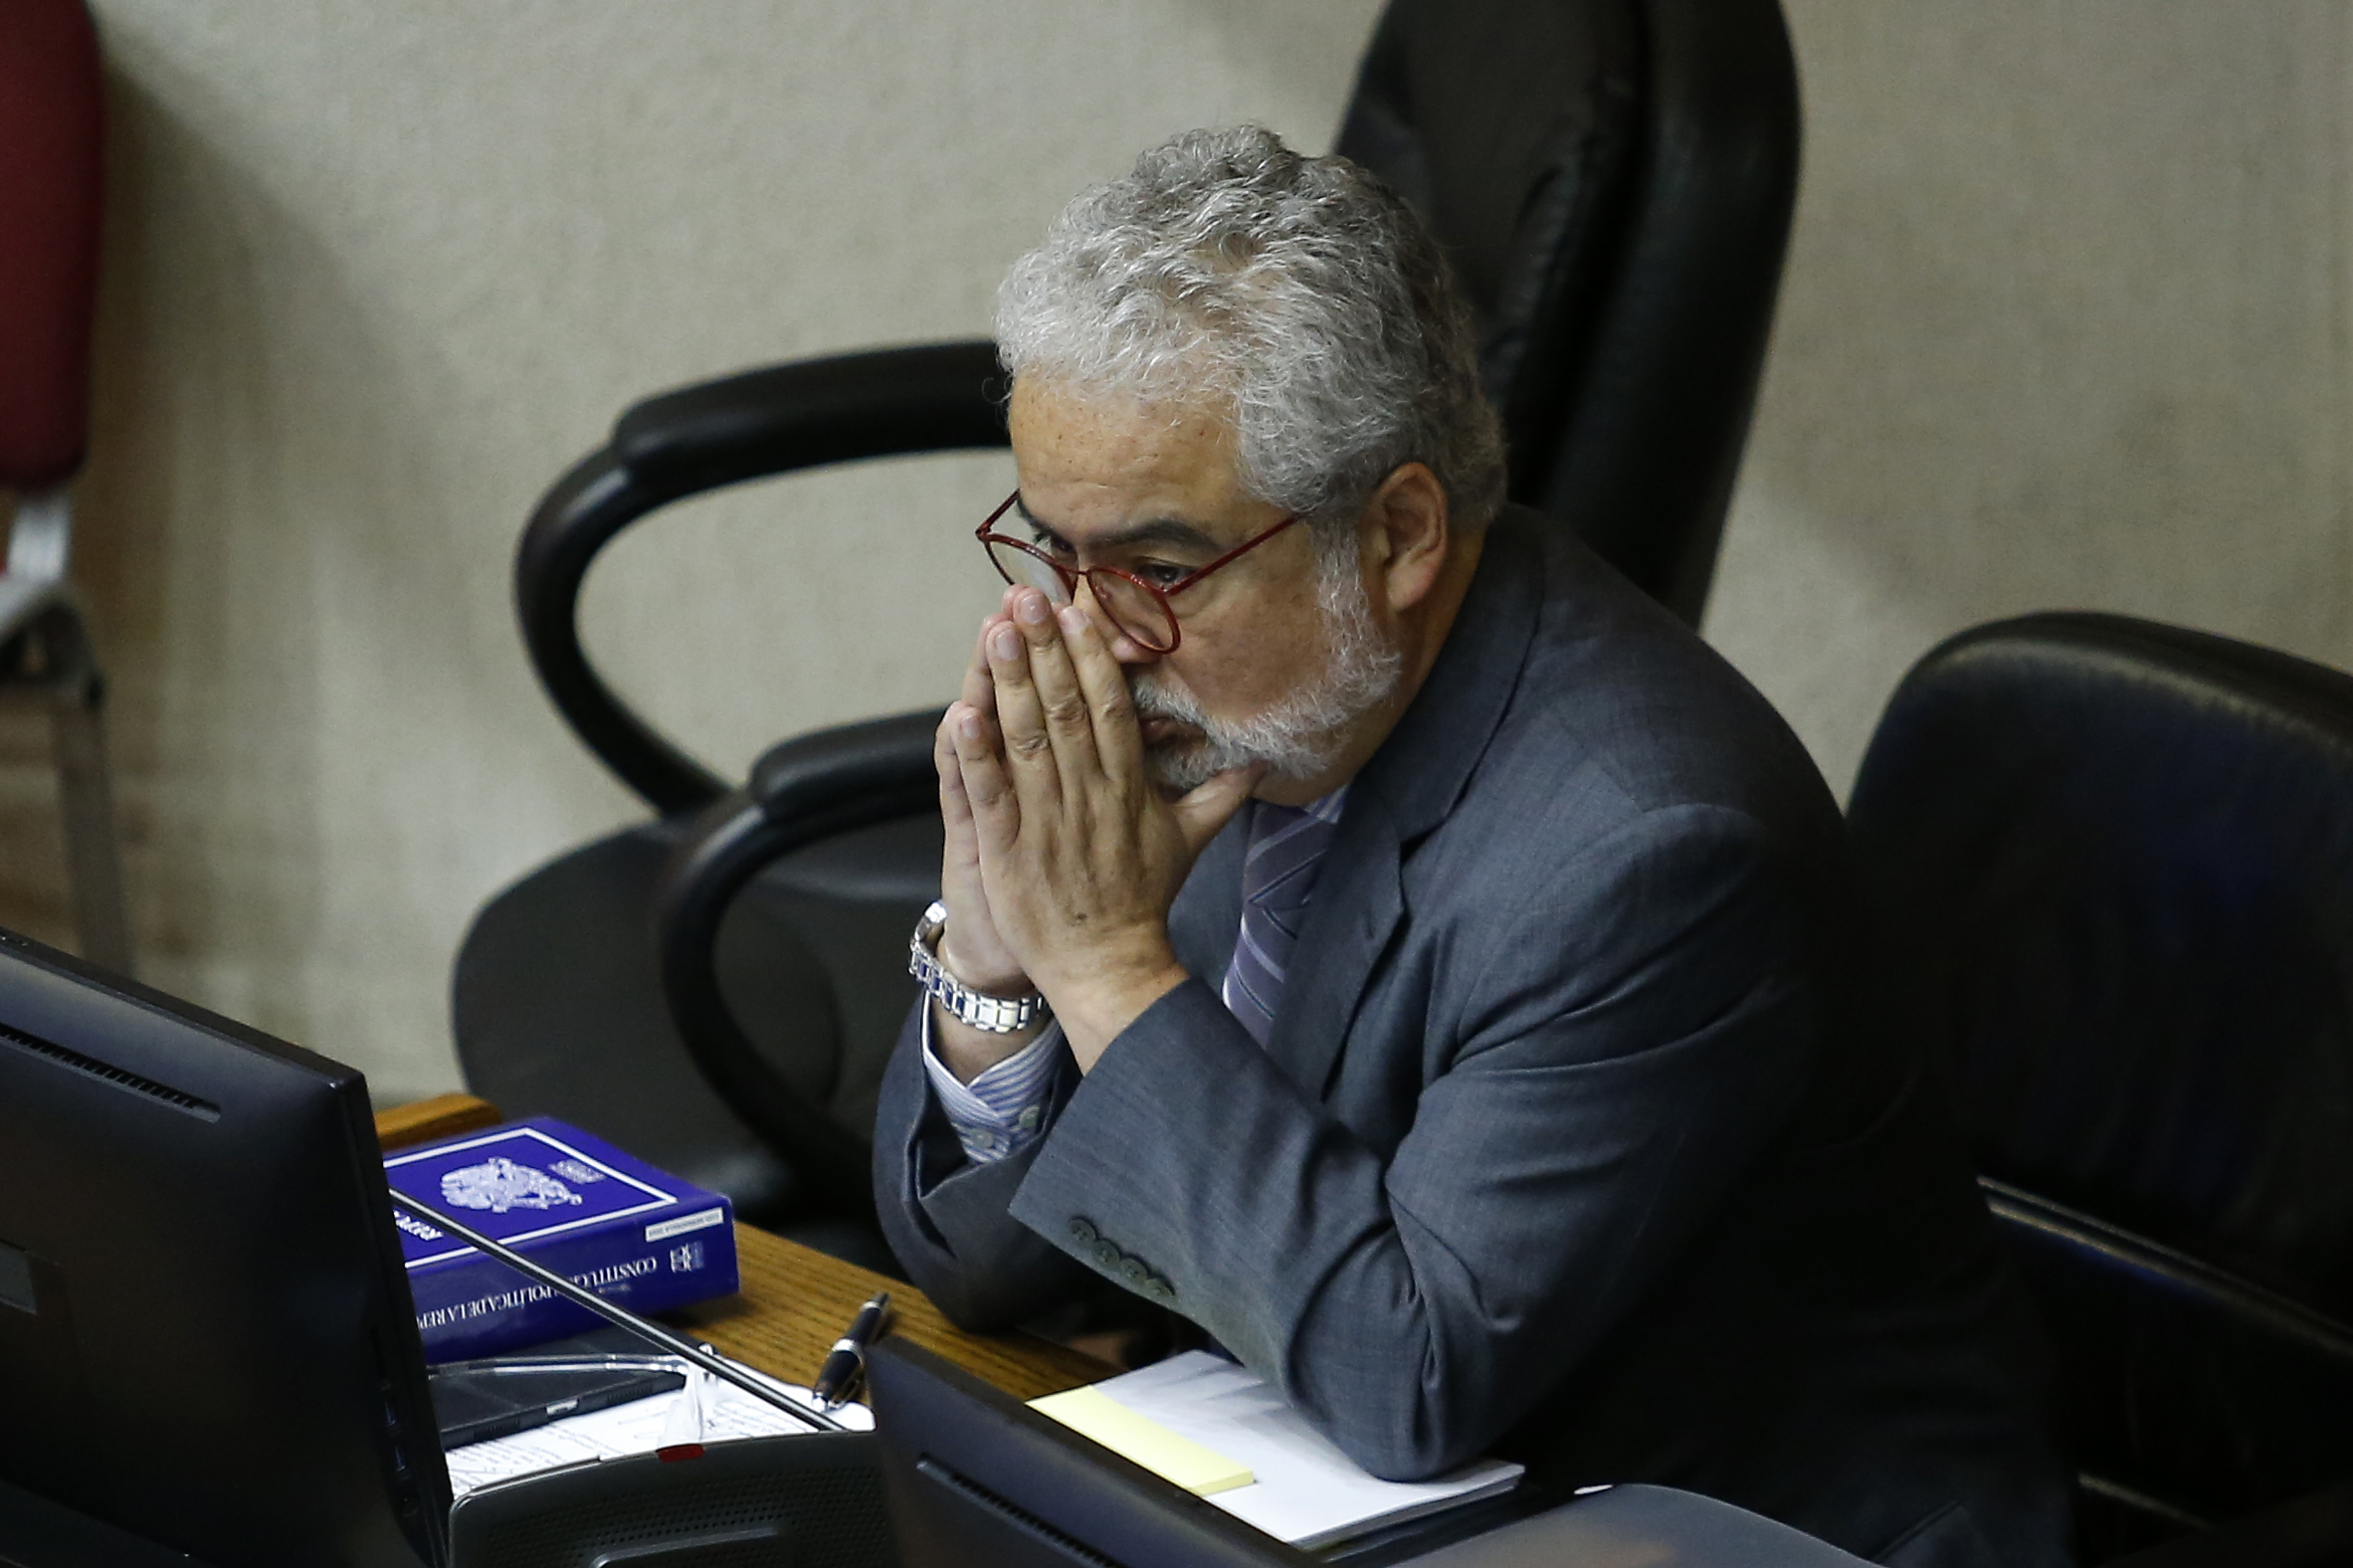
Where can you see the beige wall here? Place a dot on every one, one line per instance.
(377, 273)
(2064, 326)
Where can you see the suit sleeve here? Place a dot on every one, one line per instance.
(946, 1216)
(1624, 1039)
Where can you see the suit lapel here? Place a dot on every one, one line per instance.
(1404, 792)
(1358, 902)
(1205, 921)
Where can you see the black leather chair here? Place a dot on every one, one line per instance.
(2117, 859)
(1614, 178)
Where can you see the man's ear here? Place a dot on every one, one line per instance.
(1407, 536)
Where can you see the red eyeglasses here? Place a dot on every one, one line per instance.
(1134, 605)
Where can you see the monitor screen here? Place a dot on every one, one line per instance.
(205, 1332)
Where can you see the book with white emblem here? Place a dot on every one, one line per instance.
(569, 1202)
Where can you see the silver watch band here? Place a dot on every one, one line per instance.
(995, 1014)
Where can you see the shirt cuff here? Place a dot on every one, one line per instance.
(1003, 1110)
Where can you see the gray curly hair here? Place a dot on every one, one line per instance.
(1300, 291)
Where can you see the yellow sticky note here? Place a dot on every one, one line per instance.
(1097, 1415)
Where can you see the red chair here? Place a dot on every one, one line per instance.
(51, 184)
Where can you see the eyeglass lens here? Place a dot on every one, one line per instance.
(1025, 570)
(1139, 614)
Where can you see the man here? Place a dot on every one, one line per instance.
(1376, 934)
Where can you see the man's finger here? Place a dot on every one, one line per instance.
(1203, 813)
(996, 814)
(1028, 750)
(1118, 742)
(1070, 721)
(955, 809)
(978, 689)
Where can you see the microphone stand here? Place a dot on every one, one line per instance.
(701, 1355)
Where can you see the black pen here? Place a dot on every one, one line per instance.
(846, 1362)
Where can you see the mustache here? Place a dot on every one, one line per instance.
(1153, 698)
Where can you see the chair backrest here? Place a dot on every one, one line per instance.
(49, 193)
(1613, 181)
(2117, 859)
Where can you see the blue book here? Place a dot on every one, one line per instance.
(570, 1203)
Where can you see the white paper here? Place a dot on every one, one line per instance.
(1307, 1491)
(639, 1427)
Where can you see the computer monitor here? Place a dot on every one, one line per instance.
(205, 1332)
(977, 1479)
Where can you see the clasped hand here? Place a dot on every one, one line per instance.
(1063, 856)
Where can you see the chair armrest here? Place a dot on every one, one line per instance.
(833, 780)
(880, 403)
(2312, 1531)
(2184, 1382)
(809, 788)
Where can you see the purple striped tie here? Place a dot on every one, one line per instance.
(1287, 845)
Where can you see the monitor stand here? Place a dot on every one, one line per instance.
(38, 1534)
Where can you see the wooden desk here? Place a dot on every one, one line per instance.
(795, 1300)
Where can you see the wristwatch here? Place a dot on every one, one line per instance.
(995, 1014)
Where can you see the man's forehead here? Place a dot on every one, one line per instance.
(1108, 438)
(1059, 405)
(1113, 469)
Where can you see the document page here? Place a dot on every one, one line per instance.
(1306, 1491)
(704, 1411)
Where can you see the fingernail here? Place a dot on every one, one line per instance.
(1072, 618)
(1004, 641)
(1031, 607)
(969, 725)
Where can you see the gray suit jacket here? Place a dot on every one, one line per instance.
(1579, 1136)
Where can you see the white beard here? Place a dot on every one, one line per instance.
(1301, 735)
